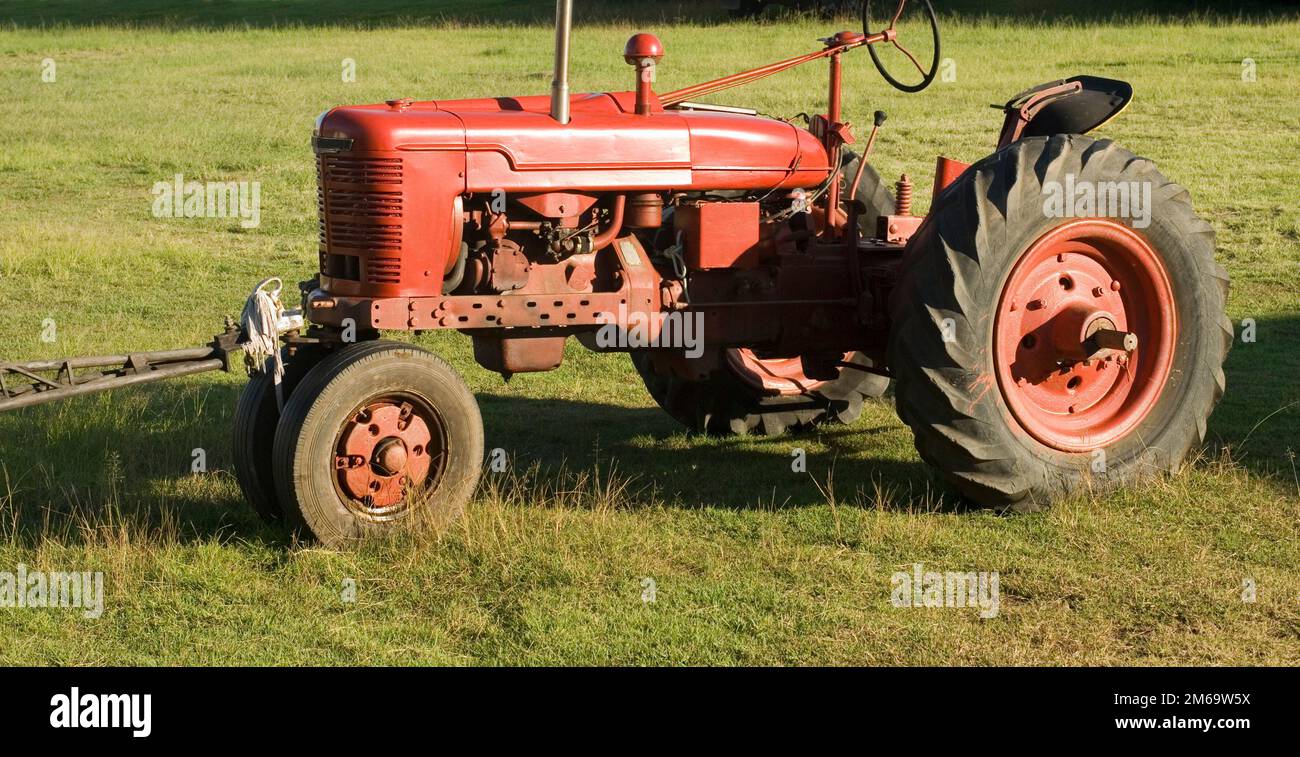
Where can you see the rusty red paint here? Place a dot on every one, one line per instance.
(510, 355)
(946, 171)
(772, 376)
(720, 234)
(1065, 394)
(383, 451)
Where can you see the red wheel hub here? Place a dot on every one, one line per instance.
(1084, 334)
(383, 451)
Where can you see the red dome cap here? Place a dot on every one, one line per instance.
(642, 46)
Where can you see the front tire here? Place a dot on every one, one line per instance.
(382, 437)
(993, 290)
(256, 415)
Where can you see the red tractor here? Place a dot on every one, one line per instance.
(760, 275)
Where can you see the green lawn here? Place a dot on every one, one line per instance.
(751, 562)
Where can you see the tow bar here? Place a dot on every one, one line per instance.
(23, 385)
(39, 381)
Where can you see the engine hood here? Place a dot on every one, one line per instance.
(512, 143)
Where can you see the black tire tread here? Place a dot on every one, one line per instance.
(300, 410)
(937, 383)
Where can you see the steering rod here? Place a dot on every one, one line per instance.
(840, 43)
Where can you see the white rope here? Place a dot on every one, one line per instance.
(260, 323)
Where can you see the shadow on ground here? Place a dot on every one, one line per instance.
(650, 448)
(1258, 419)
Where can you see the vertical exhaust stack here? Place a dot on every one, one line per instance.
(560, 81)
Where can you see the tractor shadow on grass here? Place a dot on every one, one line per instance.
(648, 449)
(1257, 422)
(74, 471)
(124, 463)
(871, 462)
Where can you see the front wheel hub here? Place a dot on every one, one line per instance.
(1084, 334)
(383, 451)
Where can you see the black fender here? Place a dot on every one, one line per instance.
(1067, 106)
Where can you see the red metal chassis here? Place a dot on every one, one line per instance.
(396, 199)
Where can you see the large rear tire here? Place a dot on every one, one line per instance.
(999, 301)
(382, 437)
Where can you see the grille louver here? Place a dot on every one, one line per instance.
(360, 202)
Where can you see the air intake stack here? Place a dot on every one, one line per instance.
(560, 81)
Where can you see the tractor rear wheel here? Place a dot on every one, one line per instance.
(382, 437)
(256, 416)
(1034, 352)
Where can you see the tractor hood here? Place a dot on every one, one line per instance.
(513, 144)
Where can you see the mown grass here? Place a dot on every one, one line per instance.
(752, 563)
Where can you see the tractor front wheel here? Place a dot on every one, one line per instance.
(256, 416)
(1035, 352)
(381, 437)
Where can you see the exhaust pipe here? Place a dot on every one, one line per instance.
(560, 81)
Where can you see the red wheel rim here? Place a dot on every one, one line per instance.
(782, 376)
(388, 449)
(1079, 279)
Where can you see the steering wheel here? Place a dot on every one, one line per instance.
(926, 76)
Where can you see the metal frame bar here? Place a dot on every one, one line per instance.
(113, 371)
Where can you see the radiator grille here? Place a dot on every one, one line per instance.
(360, 205)
(362, 170)
(384, 270)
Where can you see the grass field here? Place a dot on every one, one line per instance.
(751, 562)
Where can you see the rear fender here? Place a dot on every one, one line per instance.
(1068, 106)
